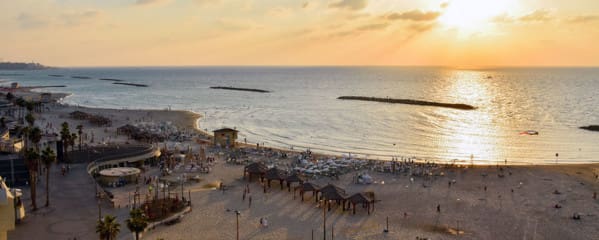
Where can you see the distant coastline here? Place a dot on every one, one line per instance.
(409, 102)
(22, 66)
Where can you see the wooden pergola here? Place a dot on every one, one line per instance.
(307, 187)
(292, 179)
(332, 192)
(360, 198)
(256, 168)
(275, 174)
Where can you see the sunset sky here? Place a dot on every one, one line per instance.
(295, 32)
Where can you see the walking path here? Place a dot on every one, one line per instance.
(70, 214)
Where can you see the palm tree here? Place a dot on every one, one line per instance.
(137, 222)
(65, 134)
(30, 119)
(31, 160)
(80, 132)
(35, 136)
(10, 96)
(29, 106)
(20, 103)
(72, 141)
(108, 228)
(48, 157)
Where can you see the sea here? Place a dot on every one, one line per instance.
(302, 111)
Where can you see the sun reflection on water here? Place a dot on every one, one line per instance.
(470, 132)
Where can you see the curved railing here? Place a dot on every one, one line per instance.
(145, 151)
(121, 157)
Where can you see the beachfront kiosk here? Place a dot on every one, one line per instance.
(225, 137)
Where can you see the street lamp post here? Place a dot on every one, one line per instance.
(386, 230)
(99, 211)
(324, 219)
(237, 213)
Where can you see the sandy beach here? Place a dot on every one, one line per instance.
(466, 202)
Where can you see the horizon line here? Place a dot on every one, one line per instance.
(332, 65)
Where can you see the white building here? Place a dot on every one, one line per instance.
(7, 210)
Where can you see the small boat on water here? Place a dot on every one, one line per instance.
(529, 132)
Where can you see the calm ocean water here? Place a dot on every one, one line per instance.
(302, 110)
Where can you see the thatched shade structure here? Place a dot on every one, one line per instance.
(360, 198)
(79, 115)
(332, 192)
(256, 168)
(275, 174)
(292, 179)
(93, 119)
(99, 120)
(307, 187)
(127, 129)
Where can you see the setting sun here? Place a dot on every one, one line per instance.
(470, 16)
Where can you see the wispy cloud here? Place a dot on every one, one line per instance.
(65, 19)
(584, 19)
(373, 27)
(421, 27)
(503, 18)
(80, 18)
(540, 15)
(151, 2)
(280, 12)
(350, 4)
(206, 2)
(30, 21)
(236, 25)
(414, 15)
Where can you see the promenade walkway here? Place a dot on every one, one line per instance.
(73, 210)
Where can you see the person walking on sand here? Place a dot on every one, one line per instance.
(438, 208)
(250, 201)
(243, 198)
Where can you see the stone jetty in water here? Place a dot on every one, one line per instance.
(241, 89)
(410, 102)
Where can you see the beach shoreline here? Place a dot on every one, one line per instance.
(517, 200)
(191, 120)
